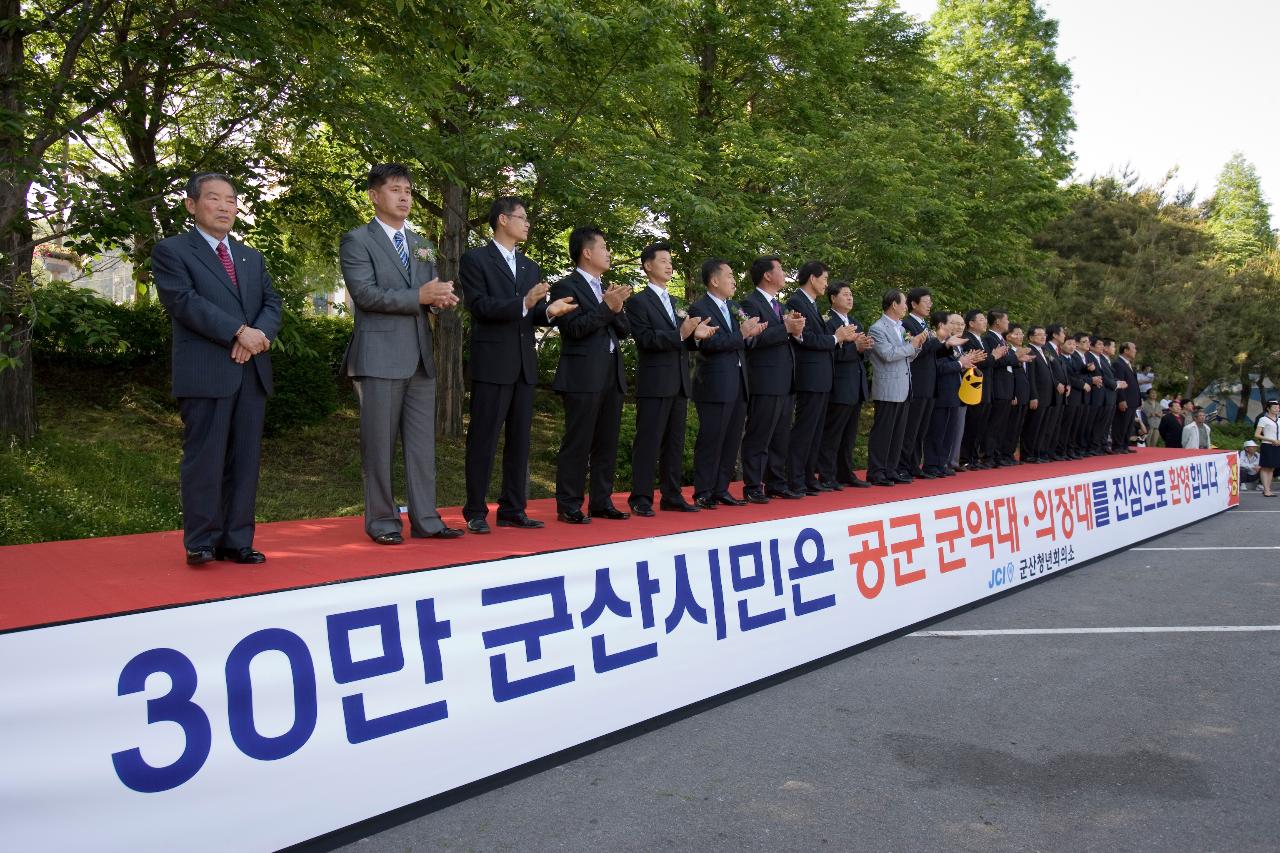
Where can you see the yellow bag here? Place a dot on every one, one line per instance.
(971, 387)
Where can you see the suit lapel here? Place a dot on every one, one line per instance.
(247, 287)
(380, 239)
(206, 255)
(495, 257)
(657, 305)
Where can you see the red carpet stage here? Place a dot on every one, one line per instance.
(64, 581)
(148, 705)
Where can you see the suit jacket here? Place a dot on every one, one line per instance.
(1170, 429)
(891, 359)
(206, 310)
(1076, 378)
(1000, 371)
(946, 392)
(924, 370)
(1191, 436)
(586, 365)
(849, 385)
(720, 364)
(1022, 382)
(1131, 395)
(502, 334)
(392, 333)
(1110, 394)
(1097, 393)
(815, 351)
(1041, 375)
(662, 363)
(771, 362)
(1061, 372)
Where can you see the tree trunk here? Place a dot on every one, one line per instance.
(1246, 391)
(450, 387)
(17, 391)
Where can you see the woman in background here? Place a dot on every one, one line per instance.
(1268, 435)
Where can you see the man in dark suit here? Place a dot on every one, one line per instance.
(1171, 425)
(1041, 397)
(1103, 351)
(771, 370)
(849, 390)
(815, 350)
(664, 334)
(720, 385)
(1094, 395)
(1077, 400)
(924, 379)
(976, 416)
(953, 360)
(506, 296)
(1000, 376)
(1023, 395)
(1130, 401)
(1058, 416)
(224, 314)
(591, 379)
(392, 282)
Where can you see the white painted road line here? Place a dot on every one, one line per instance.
(1224, 548)
(1180, 629)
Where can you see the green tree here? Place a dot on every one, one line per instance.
(1238, 215)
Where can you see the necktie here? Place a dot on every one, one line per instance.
(511, 262)
(666, 303)
(728, 322)
(597, 287)
(401, 250)
(225, 257)
(777, 309)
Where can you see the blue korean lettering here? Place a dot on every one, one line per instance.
(173, 707)
(684, 600)
(806, 568)
(244, 731)
(751, 552)
(607, 599)
(529, 633)
(1101, 508)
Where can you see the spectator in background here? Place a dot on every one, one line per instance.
(1170, 427)
(1196, 435)
(1146, 378)
(1152, 408)
(1268, 432)
(1250, 465)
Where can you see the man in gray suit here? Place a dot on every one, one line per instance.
(891, 355)
(224, 314)
(391, 277)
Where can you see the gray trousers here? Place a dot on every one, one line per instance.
(404, 407)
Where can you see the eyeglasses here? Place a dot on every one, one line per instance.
(516, 216)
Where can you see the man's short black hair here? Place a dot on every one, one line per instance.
(834, 287)
(761, 266)
(937, 318)
(1014, 327)
(1080, 336)
(1031, 332)
(971, 315)
(1053, 329)
(809, 270)
(580, 238)
(891, 298)
(915, 294)
(196, 183)
(994, 316)
(710, 267)
(380, 173)
(504, 205)
(651, 251)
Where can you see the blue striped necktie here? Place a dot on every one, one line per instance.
(401, 250)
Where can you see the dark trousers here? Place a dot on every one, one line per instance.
(1013, 430)
(765, 442)
(659, 442)
(1102, 426)
(591, 422)
(1122, 427)
(913, 434)
(839, 435)
(805, 440)
(1052, 428)
(716, 448)
(494, 407)
(975, 425)
(221, 443)
(1067, 429)
(1033, 424)
(937, 443)
(884, 446)
(994, 434)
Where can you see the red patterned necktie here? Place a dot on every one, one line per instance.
(225, 257)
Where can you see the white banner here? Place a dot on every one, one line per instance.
(258, 722)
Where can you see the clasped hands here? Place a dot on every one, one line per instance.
(699, 327)
(538, 292)
(248, 343)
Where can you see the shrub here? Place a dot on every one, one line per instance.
(305, 365)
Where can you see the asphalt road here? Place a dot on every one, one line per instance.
(1043, 742)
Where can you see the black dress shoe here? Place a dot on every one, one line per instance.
(785, 494)
(902, 478)
(522, 521)
(443, 533)
(610, 512)
(812, 491)
(392, 538)
(246, 556)
(573, 517)
(755, 496)
(642, 510)
(477, 525)
(672, 506)
(916, 472)
(832, 486)
(706, 503)
(857, 483)
(199, 556)
(881, 481)
(728, 500)
(925, 475)
(820, 486)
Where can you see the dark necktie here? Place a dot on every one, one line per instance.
(225, 257)
(777, 309)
